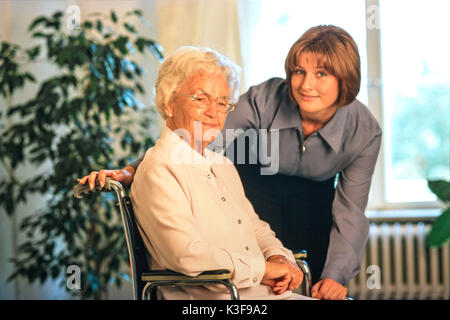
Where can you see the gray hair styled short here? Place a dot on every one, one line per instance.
(184, 62)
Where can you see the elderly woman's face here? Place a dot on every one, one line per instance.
(189, 109)
(314, 89)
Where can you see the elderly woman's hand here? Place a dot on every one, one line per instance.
(124, 176)
(282, 274)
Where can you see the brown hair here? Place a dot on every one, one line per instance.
(336, 51)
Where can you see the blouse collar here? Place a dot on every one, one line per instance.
(288, 116)
(182, 153)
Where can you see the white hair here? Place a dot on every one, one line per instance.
(184, 62)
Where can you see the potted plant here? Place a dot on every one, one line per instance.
(66, 129)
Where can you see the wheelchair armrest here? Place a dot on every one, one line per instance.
(158, 278)
(169, 275)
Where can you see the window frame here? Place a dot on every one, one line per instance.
(377, 194)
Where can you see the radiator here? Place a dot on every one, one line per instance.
(398, 264)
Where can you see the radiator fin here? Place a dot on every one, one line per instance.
(409, 269)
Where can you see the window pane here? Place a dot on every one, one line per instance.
(276, 25)
(416, 96)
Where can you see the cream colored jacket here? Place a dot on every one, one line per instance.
(193, 215)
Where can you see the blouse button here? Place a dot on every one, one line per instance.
(246, 248)
(255, 280)
(223, 199)
(210, 176)
(239, 221)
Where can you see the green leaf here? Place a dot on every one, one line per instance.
(113, 16)
(55, 270)
(57, 15)
(140, 88)
(136, 12)
(129, 27)
(156, 49)
(99, 25)
(40, 34)
(120, 44)
(9, 204)
(440, 230)
(33, 52)
(151, 45)
(440, 188)
(36, 22)
(30, 77)
(88, 25)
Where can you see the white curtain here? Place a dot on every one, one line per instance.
(209, 23)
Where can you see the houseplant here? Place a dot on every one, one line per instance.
(66, 129)
(440, 230)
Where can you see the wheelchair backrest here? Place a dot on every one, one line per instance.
(135, 244)
(136, 248)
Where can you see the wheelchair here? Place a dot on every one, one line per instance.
(146, 281)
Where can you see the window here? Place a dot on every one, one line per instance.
(410, 52)
(275, 25)
(415, 72)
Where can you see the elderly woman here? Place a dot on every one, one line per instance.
(324, 133)
(189, 202)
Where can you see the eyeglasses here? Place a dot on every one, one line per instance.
(203, 101)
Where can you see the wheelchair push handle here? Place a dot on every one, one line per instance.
(80, 190)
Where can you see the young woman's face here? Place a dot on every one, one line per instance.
(314, 89)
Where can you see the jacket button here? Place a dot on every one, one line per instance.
(223, 199)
